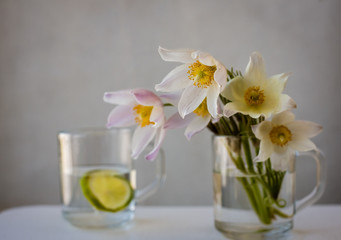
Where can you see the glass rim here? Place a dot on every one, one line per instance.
(92, 130)
(225, 136)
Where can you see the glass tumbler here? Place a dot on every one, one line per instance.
(96, 164)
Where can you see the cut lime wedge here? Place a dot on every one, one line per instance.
(106, 190)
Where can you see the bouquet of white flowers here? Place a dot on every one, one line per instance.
(249, 105)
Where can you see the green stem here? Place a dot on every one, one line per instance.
(234, 125)
(240, 164)
(257, 202)
(247, 152)
(225, 126)
(250, 194)
(263, 184)
(281, 214)
(212, 127)
(252, 188)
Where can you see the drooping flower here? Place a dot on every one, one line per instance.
(194, 122)
(282, 136)
(255, 94)
(201, 76)
(141, 107)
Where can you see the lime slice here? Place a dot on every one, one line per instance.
(106, 190)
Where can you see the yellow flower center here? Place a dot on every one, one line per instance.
(202, 109)
(254, 96)
(143, 115)
(201, 74)
(280, 135)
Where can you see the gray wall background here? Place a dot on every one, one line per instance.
(57, 58)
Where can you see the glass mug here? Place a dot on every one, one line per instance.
(234, 214)
(93, 159)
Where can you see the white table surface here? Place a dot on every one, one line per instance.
(319, 222)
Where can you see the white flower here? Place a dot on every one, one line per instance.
(255, 94)
(282, 136)
(201, 76)
(194, 122)
(141, 107)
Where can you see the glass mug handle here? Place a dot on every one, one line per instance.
(160, 177)
(321, 175)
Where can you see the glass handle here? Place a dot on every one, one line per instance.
(159, 179)
(321, 174)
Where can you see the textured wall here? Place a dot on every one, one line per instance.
(58, 57)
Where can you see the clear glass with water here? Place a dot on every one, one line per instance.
(98, 149)
(243, 207)
(233, 211)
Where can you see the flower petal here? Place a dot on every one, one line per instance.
(266, 149)
(283, 118)
(230, 109)
(191, 98)
(262, 129)
(234, 107)
(204, 58)
(286, 103)
(160, 135)
(146, 97)
(123, 97)
(235, 89)
(157, 116)
(172, 98)
(276, 162)
(175, 80)
(198, 124)
(121, 116)
(176, 121)
(220, 76)
(280, 161)
(212, 99)
(305, 128)
(302, 144)
(280, 80)
(141, 138)
(176, 55)
(220, 109)
(255, 69)
(257, 114)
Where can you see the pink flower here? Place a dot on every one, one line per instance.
(141, 107)
(194, 122)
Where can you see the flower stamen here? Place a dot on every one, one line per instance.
(201, 74)
(254, 96)
(143, 115)
(280, 135)
(202, 110)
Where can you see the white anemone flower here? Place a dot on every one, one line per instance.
(199, 77)
(141, 107)
(194, 122)
(282, 137)
(255, 94)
